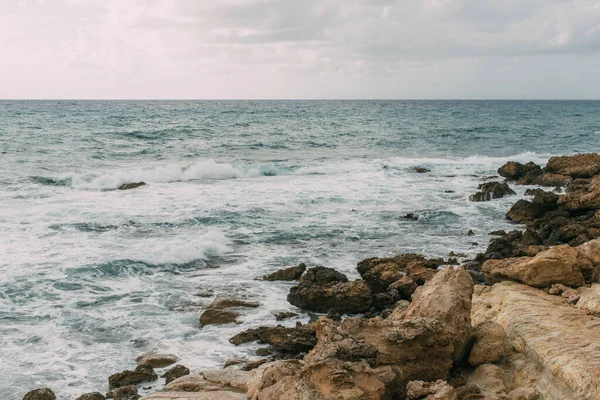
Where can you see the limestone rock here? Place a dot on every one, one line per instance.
(227, 379)
(556, 346)
(379, 273)
(143, 373)
(524, 394)
(343, 297)
(589, 299)
(212, 316)
(492, 190)
(577, 166)
(91, 396)
(133, 185)
(156, 360)
(292, 341)
(490, 344)
(438, 390)
(286, 274)
(489, 380)
(40, 394)
(126, 393)
(176, 372)
(215, 395)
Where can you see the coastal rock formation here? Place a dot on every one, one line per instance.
(91, 396)
(290, 341)
(176, 372)
(490, 344)
(214, 395)
(143, 373)
(322, 289)
(133, 185)
(563, 367)
(218, 312)
(492, 190)
(40, 394)
(513, 170)
(227, 379)
(577, 166)
(438, 390)
(589, 299)
(156, 360)
(375, 358)
(380, 273)
(286, 274)
(126, 393)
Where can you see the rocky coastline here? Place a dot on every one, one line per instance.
(517, 322)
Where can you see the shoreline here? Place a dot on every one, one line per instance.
(420, 323)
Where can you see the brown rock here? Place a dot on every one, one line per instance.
(577, 166)
(221, 304)
(490, 344)
(489, 380)
(91, 396)
(379, 273)
(403, 288)
(126, 393)
(438, 390)
(156, 360)
(286, 274)
(343, 297)
(40, 394)
(525, 210)
(524, 394)
(514, 170)
(586, 198)
(492, 190)
(218, 317)
(297, 340)
(227, 379)
(280, 316)
(176, 372)
(143, 373)
(134, 185)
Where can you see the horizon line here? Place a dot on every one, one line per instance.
(298, 99)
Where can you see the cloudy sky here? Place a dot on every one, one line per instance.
(213, 49)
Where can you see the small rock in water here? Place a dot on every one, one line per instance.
(218, 317)
(156, 360)
(492, 190)
(129, 392)
(263, 352)
(470, 233)
(176, 372)
(280, 316)
(286, 274)
(497, 233)
(411, 217)
(421, 170)
(132, 185)
(143, 373)
(40, 394)
(91, 396)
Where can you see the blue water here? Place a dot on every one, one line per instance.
(90, 276)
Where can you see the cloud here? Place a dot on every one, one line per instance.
(286, 48)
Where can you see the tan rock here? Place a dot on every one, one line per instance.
(489, 379)
(192, 383)
(212, 316)
(524, 394)
(577, 166)
(157, 360)
(438, 390)
(556, 346)
(490, 344)
(227, 379)
(589, 298)
(217, 395)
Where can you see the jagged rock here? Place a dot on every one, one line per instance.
(129, 392)
(489, 379)
(133, 185)
(411, 217)
(280, 316)
(547, 179)
(322, 276)
(403, 288)
(91, 396)
(277, 380)
(438, 390)
(251, 365)
(344, 297)
(297, 340)
(421, 170)
(492, 190)
(379, 273)
(589, 299)
(40, 394)
(227, 379)
(525, 210)
(514, 170)
(565, 367)
(524, 394)
(286, 274)
(500, 232)
(176, 372)
(490, 344)
(156, 360)
(218, 317)
(143, 373)
(587, 197)
(577, 166)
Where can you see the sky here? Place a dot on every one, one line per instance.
(272, 49)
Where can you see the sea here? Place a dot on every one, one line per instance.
(92, 276)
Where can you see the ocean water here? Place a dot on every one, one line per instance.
(90, 276)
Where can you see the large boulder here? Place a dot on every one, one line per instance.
(492, 190)
(555, 345)
(490, 344)
(577, 166)
(290, 341)
(129, 392)
(143, 373)
(513, 170)
(40, 394)
(379, 273)
(286, 274)
(585, 197)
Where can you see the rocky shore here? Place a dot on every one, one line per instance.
(517, 322)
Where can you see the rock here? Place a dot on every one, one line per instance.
(129, 392)
(421, 170)
(524, 394)
(514, 170)
(280, 316)
(543, 178)
(156, 360)
(218, 317)
(297, 340)
(490, 344)
(497, 233)
(403, 288)
(249, 366)
(143, 373)
(221, 304)
(263, 352)
(411, 217)
(132, 185)
(40, 394)
(492, 190)
(344, 297)
(277, 380)
(379, 273)
(322, 276)
(91, 396)
(577, 166)
(438, 390)
(214, 395)
(470, 233)
(525, 210)
(563, 367)
(227, 379)
(489, 380)
(589, 299)
(176, 372)
(286, 274)
(585, 198)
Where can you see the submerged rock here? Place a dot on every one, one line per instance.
(218, 313)
(156, 360)
(40, 394)
(323, 276)
(143, 373)
(133, 185)
(492, 190)
(286, 274)
(176, 372)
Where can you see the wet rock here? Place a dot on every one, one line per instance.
(421, 170)
(157, 360)
(577, 166)
(344, 297)
(459, 255)
(411, 217)
(218, 317)
(263, 352)
(490, 344)
(286, 274)
(492, 190)
(497, 233)
(133, 185)
(525, 210)
(91, 396)
(40, 394)
(176, 372)
(143, 373)
(221, 304)
(280, 316)
(514, 170)
(547, 179)
(126, 393)
(297, 340)
(322, 276)
(438, 390)
(403, 288)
